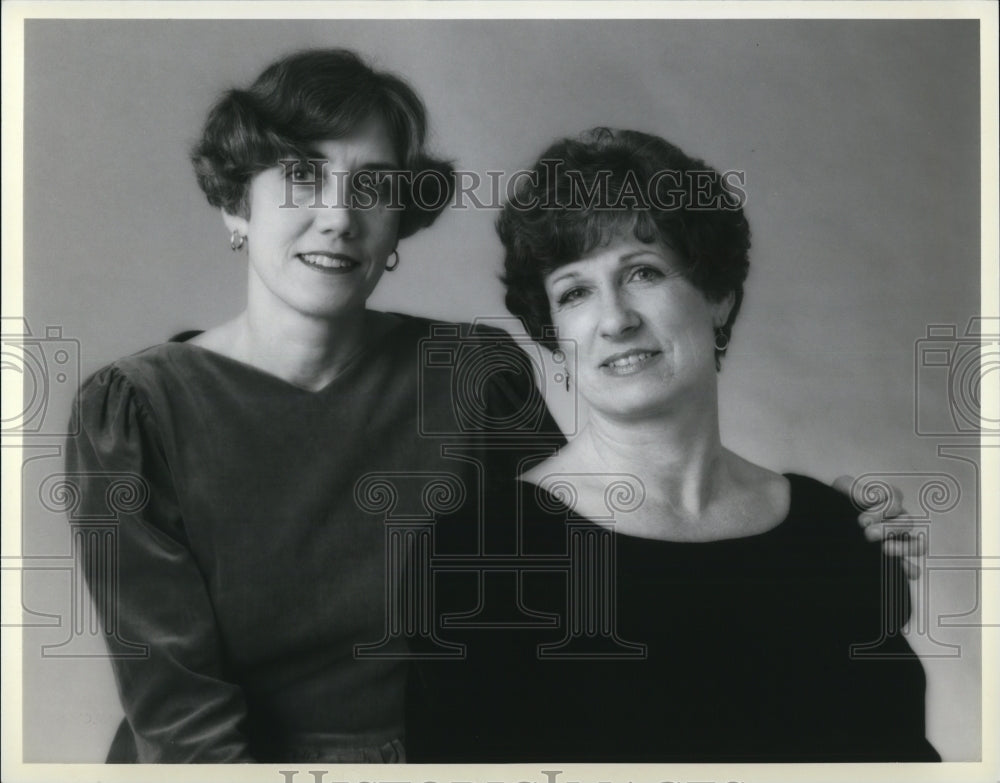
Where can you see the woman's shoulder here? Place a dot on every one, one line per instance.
(810, 495)
(542, 473)
(140, 378)
(825, 515)
(142, 368)
(825, 531)
(116, 407)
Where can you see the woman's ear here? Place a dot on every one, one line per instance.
(235, 223)
(722, 309)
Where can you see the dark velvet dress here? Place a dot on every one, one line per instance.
(655, 651)
(251, 562)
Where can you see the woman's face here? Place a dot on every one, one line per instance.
(643, 335)
(310, 248)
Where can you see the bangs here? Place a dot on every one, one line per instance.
(569, 235)
(322, 108)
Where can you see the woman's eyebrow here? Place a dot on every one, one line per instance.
(570, 274)
(311, 153)
(636, 253)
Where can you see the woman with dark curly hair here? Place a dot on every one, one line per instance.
(713, 610)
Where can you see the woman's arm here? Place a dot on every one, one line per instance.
(180, 701)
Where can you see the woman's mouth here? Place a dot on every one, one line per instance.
(337, 263)
(629, 362)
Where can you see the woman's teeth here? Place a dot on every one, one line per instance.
(327, 262)
(630, 361)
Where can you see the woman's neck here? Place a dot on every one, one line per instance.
(692, 488)
(681, 455)
(304, 351)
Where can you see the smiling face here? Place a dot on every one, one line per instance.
(643, 335)
(314, 253)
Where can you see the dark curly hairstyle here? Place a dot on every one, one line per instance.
(301, 99)
(540, 232)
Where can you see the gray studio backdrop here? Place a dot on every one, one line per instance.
(860, 143)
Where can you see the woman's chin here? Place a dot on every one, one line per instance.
(631, 408)
(656, 401)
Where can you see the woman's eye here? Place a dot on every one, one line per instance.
(645, 273)
(570, 296)
(300, 173)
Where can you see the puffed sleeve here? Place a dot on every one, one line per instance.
(180, 704)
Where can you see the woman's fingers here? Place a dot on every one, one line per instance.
(895, 537)
(880, 509)
(911, 568)
(843, 484)
(904, 546)
(897, 543)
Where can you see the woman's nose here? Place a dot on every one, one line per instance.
(618, 317)
(335, 214)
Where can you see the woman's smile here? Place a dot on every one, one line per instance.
(630, 362)
(329, 263)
